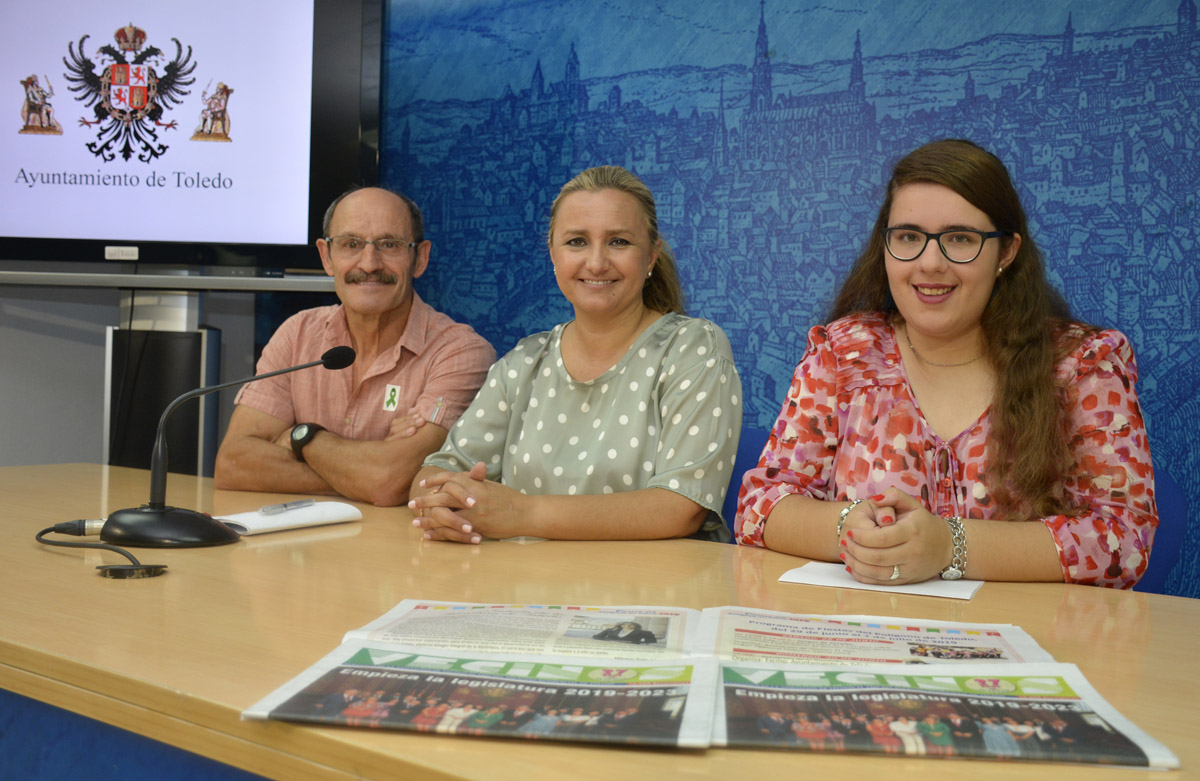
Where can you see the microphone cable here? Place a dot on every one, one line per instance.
(135, 569)
(117, 435)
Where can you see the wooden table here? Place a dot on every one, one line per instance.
(177, 658)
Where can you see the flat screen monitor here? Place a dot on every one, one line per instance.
(194, 134)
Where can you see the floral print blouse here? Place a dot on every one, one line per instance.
(850, 428)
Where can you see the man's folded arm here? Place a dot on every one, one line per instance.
(256, 455)
(379, 472)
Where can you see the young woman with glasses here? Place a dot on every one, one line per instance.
(951, 389)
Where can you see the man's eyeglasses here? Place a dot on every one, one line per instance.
(352, 246)
(959, 246)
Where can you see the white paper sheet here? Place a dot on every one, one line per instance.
(820, 573)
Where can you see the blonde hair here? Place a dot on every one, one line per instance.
(662, 291)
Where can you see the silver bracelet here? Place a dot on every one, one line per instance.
(842, 516)
(958, 562)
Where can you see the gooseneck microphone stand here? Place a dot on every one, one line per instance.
(156, 525)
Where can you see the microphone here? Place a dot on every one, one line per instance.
(155, 525)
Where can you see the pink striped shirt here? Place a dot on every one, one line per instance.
(436, 358)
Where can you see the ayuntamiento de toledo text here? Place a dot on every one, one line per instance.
(186, 180)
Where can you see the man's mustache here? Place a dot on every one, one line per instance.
(376, 277)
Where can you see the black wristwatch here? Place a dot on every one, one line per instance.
(302, 434)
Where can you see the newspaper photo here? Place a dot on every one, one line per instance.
(633, 632)
(727, 675)
(749, 635)
(1041, 712)
(364, 684)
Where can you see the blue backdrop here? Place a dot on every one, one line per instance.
(765, 131)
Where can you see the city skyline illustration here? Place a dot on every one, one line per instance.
(768, 164)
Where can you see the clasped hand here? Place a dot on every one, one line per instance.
(890, 530)
(466, 507)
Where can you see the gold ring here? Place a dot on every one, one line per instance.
(895, 572)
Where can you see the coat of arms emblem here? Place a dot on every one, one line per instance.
(129, 97)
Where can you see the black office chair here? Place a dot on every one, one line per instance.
(750, 448)
(1168, 538)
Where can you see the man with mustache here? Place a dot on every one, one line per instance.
(361, 432)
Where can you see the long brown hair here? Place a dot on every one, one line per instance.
(1027, 328)
(662, 291)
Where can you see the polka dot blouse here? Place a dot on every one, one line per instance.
(667, 415)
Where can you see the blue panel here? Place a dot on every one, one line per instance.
(766, 130)
(41, 741)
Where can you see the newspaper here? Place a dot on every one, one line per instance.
(734, 633)
(368, 684)
(1039, 711)
(631, 632)
(728, 675)
(748, 635)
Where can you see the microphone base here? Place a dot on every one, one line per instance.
(165, 527)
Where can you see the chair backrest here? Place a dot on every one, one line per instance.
(1168, 538)
(750, 447)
